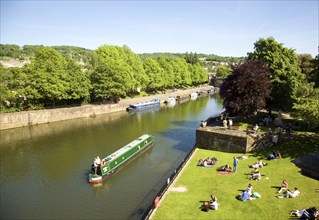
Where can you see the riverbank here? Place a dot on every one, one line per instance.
(29, 118)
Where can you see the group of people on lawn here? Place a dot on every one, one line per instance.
(249, 193)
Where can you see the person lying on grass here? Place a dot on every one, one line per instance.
(290, 194)
(258, 164)
(255, 175)
(311, 213)
(207, 162)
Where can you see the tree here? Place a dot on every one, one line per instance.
(155, 74)
(222, 71)
(78, 83)
(306, 103)
(112, 77)
(198, 74)
(285, 72)
(48, 76)
(177, 72)
(168, 73)
(191, 58)
(184, 72)
(140, 79)
(246, 90)
(307, 65)
(314, 74)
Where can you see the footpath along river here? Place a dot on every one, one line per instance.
(44, 168)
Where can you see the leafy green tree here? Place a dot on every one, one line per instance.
(191, 58)
(112, 77)
(79, 83)
(285, 72)
(30, 50)
(168, 73)
(198, 74)
(314, 74)
(10, 50)
(306, 103)
(306, 65)
(140, 79)
(52, 79)
(49, 76)
(246, 90)
(155, 74)
(222, 71)
(92, 58)
(7, 95)
(177, 71)
(184, 72)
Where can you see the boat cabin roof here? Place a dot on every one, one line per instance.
(127, 147)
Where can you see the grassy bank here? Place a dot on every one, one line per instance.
(200, 182)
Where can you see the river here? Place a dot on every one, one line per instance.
(44, 168)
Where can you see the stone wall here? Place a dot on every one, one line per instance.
(225, 140)
(27, 118)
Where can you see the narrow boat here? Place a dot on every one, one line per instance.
(144, 105)
(114, 161)
(193, 95)
(170, 100)
(181, 99)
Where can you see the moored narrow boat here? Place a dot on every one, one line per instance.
(170, 100)
(117, 159)
(144, 105)
(193, 95)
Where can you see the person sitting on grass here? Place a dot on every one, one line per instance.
(274, 155)
(255, 175)
(259, 164)
(289, 194)
(226, 168)
(211, 204)
(284, 186)
(249, 194)
(250, 189)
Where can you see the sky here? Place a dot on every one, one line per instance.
(224, 28)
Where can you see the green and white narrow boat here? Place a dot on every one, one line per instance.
(114, 161)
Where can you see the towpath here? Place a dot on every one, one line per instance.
(125, 102)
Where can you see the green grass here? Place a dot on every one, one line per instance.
(201, 182)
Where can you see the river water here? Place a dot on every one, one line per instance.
(44, 168)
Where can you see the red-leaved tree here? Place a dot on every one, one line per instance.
(247, 89)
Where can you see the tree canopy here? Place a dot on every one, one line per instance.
(246, 90)
(222, 71)
(285, 72)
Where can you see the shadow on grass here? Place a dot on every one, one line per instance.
(238, 197)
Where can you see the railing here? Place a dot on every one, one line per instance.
(149, 210)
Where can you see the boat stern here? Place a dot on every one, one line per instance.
(95, 178)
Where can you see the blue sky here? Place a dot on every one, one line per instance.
(225, 28)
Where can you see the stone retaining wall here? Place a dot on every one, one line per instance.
(27, 118)
(225, 140)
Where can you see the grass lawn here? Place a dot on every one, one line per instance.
(201, 182)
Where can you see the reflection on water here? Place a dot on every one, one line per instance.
(44, 168)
